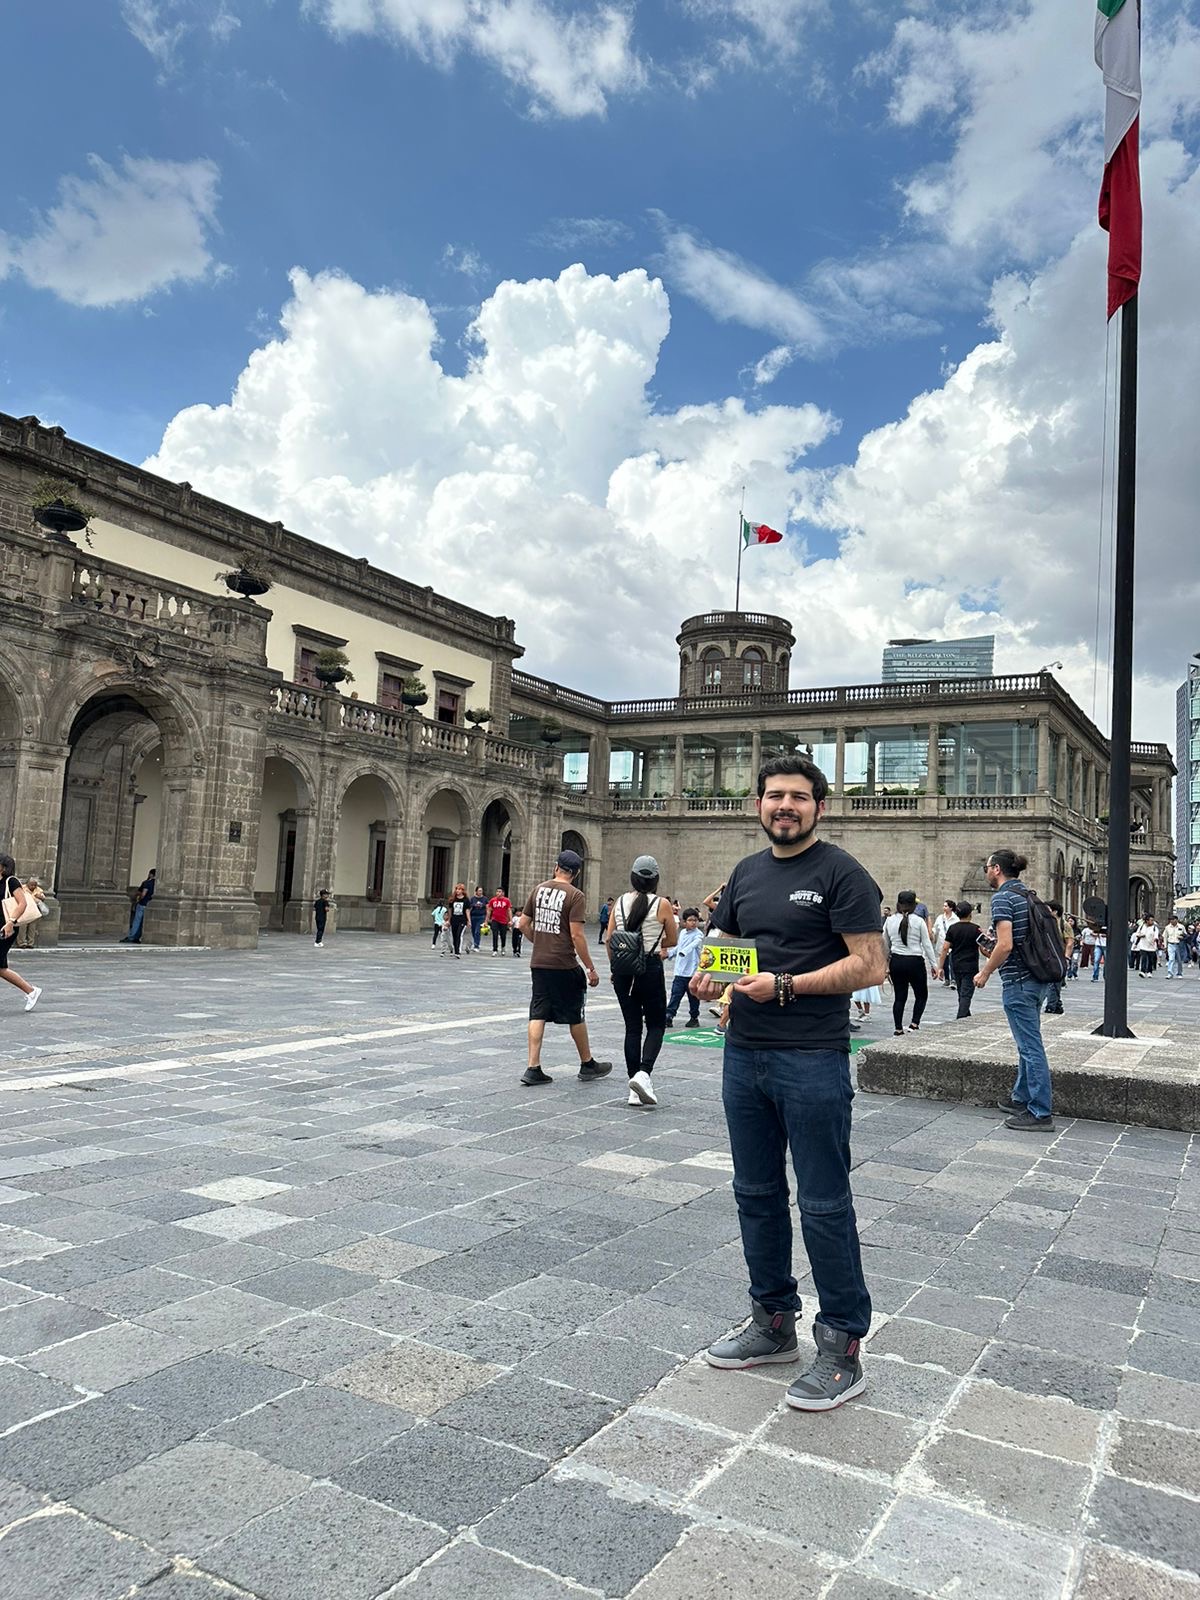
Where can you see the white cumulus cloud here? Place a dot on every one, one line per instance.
(568, 59)
(122, 233)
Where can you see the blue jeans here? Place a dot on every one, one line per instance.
(776, 1099)
(135, 927)
(1175, 960)
(1023, 999)
(1097, 967)
(477, 921)
(679, 987)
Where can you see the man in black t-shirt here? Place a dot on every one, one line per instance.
(813, 913)
(961, 946)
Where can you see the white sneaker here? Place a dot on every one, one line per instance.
(32, 998)
(633, 1100)
(641, 1086)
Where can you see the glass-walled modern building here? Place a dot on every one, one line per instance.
(927, 660)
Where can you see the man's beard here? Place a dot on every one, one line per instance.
(783, 839)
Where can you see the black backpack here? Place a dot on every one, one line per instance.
(1042, 947)
(627, 954)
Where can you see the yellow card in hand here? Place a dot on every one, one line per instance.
(728, 960)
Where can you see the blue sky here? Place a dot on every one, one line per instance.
(880, 195)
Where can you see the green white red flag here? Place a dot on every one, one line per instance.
(1119, 57)
(758, 533)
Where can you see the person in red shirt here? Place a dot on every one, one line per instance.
(499, 914)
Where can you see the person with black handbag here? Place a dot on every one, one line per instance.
(641, 929)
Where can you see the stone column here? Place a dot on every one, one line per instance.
(1043, 756)
(839, 763)
(678, 782)
(599, 755)
(931, 760)
(755, 756)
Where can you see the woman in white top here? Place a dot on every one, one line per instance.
(643, 998)
(911, 959)
(1146, 944)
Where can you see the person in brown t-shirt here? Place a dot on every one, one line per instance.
(554, 918)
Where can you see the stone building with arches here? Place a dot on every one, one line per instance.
(151, 717)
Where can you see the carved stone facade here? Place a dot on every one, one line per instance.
(148, 717)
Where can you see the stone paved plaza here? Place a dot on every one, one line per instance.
(302, 1297)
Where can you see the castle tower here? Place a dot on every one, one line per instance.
(734, 652)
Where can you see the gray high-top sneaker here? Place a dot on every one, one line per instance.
(768, 1336)
(834, 1377)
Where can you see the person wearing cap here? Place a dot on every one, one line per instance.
(643, 996)
(561, 968)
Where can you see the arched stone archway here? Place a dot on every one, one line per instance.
(496, 847)
(444, 846)
(283, 874)
(369, 854)
(1141, 897)
(128, 793)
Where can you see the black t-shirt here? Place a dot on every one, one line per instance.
(458, 908)
(795, 909)
(963, 939)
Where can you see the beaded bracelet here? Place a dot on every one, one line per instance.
(783, 988)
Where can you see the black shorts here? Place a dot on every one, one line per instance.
(558, 995)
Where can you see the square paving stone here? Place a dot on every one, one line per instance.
(856, 1586)
(579, 1531)
(235, 1191)
(416, 1377)
(1077, 1336)
(323, 1544)
(25, 1394)
(169, 1207)
(441, 1475)
(314, 1345)
(1157, 1352)
(655, 1451)
(16, 1501)
(938, 1548)
(564, 1300)
(927, 1343)
(313, 1237)
(129, 1293)
(712, 1561)
(1112, 1575)
(1008, 1482)
(824, 1511)
(614, 1369)
(1166, 1456)
(208, 1389)
(1149, 1522)
(396, 1307)
(216, 1317)
(1145, 1397)
(1095, 1274)
(37, 1323)
(228, 1263)
(490, 1333)
(520, 1410)
(951, 1309)
(74, 1449)
(1045, 1372)
(382, 1258)
(112, 1356)
(316, 1430)
(895, 1385)
(680, 1330)
(189, 1585)
(725, 1399)
(309, 1284)
(64, 1555)
(1054, 1426)
(231, 1222)
(191, 1497)
(855, 1435)
(469, 1570)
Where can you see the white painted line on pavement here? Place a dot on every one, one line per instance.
(54, 1080)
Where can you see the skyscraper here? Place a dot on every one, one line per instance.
(1187, 784)
(915, 660)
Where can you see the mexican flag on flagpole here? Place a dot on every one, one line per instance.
(758, 533)
(1119, 57)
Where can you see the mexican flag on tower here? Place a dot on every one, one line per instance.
(758, 533)
(1119, 57)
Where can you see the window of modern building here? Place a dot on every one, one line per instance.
(988, 758)
(818, 745)
(892, 759)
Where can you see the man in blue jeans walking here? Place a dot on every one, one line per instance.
(813, 914)
(1030, 1104)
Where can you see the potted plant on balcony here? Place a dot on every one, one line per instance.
(414, 693)
(552, 730)
(251, 576)
(56, 506)
(333, 667)
(479, 716)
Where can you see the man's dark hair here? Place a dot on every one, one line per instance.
(790, 767)
(1056, 907)
(8, 866)
(1010, 863)
(963, 908)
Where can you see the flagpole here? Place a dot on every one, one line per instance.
(1116, 971)
(737, 593)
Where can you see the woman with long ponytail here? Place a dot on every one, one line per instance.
(909, 950)
(642, 995)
